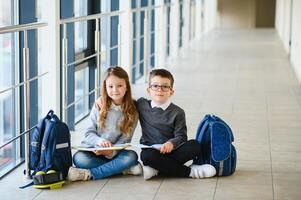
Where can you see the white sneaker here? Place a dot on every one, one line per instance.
(134, 170)
(77, 174)
(202, 171)
(149, 172)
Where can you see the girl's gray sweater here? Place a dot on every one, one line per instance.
(111, 132)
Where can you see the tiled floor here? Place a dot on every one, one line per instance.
(245, 78)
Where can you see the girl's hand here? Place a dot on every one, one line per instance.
(105, 143)
(104, 153)
(166, 148)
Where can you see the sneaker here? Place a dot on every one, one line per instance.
(134, 170)
(77, 174)
(149, 172)
(202, 171)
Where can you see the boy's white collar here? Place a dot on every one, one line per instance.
(164, 106)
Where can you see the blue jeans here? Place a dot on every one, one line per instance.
(102, 167)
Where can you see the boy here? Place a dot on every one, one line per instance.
(164, 123)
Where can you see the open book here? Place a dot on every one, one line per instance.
(117, 147)
(142, 146)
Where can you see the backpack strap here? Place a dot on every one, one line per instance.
(48, 127)
(201, 130)
(27, 185)
(49, 114)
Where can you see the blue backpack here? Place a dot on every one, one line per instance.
(215, 138)
(50, 147)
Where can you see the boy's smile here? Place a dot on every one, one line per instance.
(160, 90)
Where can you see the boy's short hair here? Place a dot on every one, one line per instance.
(163, 73)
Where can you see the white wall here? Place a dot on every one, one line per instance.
(49, 57)
(296, 38)
(126, 35)
(288, 25)
(174, 28)
(160, 35)
(210, 15)
(283, 21)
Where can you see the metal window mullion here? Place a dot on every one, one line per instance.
(26, 102)
(65, 61)
(119, 43)
(97, 50)
(130, 17)
(145, 56)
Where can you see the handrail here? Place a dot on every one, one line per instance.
(81, 97)
(15, 138)
(23, 83)
(90, 17)
(145, 8)
(81, 60)
(21, 27)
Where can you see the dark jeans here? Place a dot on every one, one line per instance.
(172, 164)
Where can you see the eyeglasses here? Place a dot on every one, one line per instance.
(164, 88)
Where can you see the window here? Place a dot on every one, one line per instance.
(181, 21)
(192, 19)
(80, 28)
(10, 154)
(167, 28)
(152, 39)
(81, 50)
(81, 89)
(109, 34)
(138, 61)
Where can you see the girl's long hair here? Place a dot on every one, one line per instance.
(128, 107)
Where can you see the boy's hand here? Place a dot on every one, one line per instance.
(166, 148)
(98, 103)
(104, 153)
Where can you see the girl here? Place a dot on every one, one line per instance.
(113, 124)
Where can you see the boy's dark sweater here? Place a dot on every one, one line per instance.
(160, 126)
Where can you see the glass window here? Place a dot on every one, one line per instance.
(10, 154)
(168, 32)
(81, 76)
(152, 41)
(181, 21)
(80, 28)
(81, 89)
(139, 38)
(134, 3)
(109, 34)
(192, 19)
(144, 3)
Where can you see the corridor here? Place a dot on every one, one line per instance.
(242, 76)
